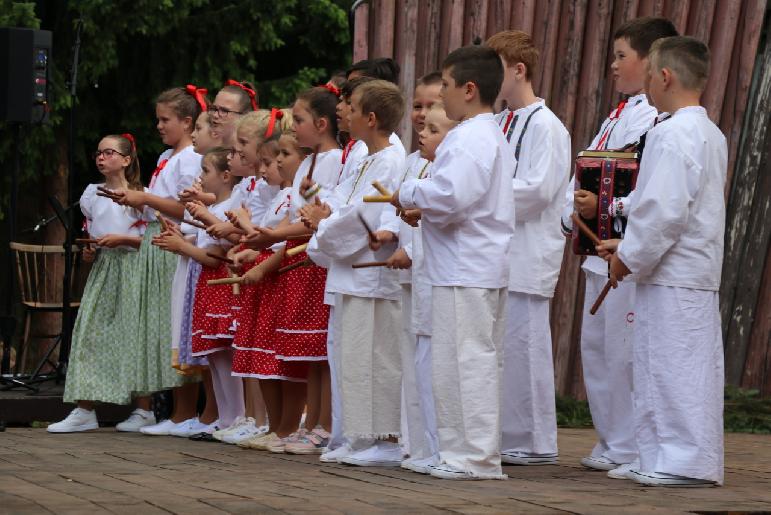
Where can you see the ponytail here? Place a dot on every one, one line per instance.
(127, 146)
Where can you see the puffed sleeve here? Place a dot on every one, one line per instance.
(87, 200)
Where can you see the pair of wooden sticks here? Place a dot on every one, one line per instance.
(385, 195)
(586, 231)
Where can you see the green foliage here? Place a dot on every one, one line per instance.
(573, 413)
(133, 50)
(746, 412)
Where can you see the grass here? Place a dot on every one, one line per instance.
(745, 412)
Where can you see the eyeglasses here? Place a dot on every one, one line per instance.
(108, 152)
(222, 111)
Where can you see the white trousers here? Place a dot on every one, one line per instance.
(336, 437)
(466, 352)
(678, 382)
(528, 410)
(418, 410)
(606, 356)
(368, 334)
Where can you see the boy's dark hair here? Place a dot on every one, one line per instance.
(383, 68)
(385, 99)
(430, 79)
(642, 32)
(686, 57)
(322, 103)
(347, 90)
(480, 65)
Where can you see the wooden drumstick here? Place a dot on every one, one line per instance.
(162, 220)
(236, 286)
(297, 250)
(304, 262)
(585, 230)
(369, 264)
(377, 198)
(86, 241)
(220, 258)
(372, 236)
(105, 195)
(194, 223)
(225, 280)
(600, 298)
(382, 189)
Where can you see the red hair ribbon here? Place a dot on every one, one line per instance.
(131, 140)
(332, 89)
(249, 91)
(199, 94)
(275, 114)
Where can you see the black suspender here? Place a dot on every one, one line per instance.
(521, 136)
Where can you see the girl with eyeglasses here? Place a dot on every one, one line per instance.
(104, 348)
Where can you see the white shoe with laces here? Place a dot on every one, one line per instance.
(187, 428)
(382, 454)
(671, 480)
(420, 465)
(621, 472)
(244, 432)
(336, 455)
(526, 458)
(599, 463)
(138, 419)
(160, 429)
(237, 423)
(78, 420)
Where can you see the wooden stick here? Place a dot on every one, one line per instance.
(382, 189)
(86, 241)
(162, 220)
(107, 191)
(297, 250)
(585, 230)
(372, 236)
(194, 223)
(369, 264)
(377, 198)
(304, 262)
(221, 258)
(236, 286)
(600, 298)
(225, 280)
(105, 195)
(313, 161)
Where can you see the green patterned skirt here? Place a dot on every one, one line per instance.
(151, 316)
(105, 348)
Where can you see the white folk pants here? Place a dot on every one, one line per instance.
(368, 334)
(606, 356)
(528, 411)
(468, 327)
(678, 382)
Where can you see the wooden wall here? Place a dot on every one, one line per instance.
(575, 39)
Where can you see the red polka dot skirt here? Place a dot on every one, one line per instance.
(212, 313)
(302, 319)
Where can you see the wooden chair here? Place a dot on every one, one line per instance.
(40, 270)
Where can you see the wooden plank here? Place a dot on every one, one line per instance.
(748, 225)
(677, 12)
(385, 19)
(568, 69)
(452, 26)
(406, 46)
(721, 44)
(651, 8)
(545, 32)
(430, 24)
(700, 17)
(361, 33)
(742, 66)
(498, 14)
(523, 15)
(475, 27)
(757, 367)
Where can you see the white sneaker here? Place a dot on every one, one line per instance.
(621, 472)
(445, 471)
(78, 420)
(237, 423)
(187, 428)
(159, 429)
(662, 479)
(138, 419)
(599, 463)
(420, 465)
(209, 428)
(243, 432)
(527, 458)
(336, 455)
(382, 454)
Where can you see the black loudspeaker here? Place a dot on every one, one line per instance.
(25, 64)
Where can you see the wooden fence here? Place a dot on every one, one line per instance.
(575, 40)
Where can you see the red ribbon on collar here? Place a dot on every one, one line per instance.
(249, 91)
(275, 114)
(251, 186)
(199, 94)
(157, 171)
